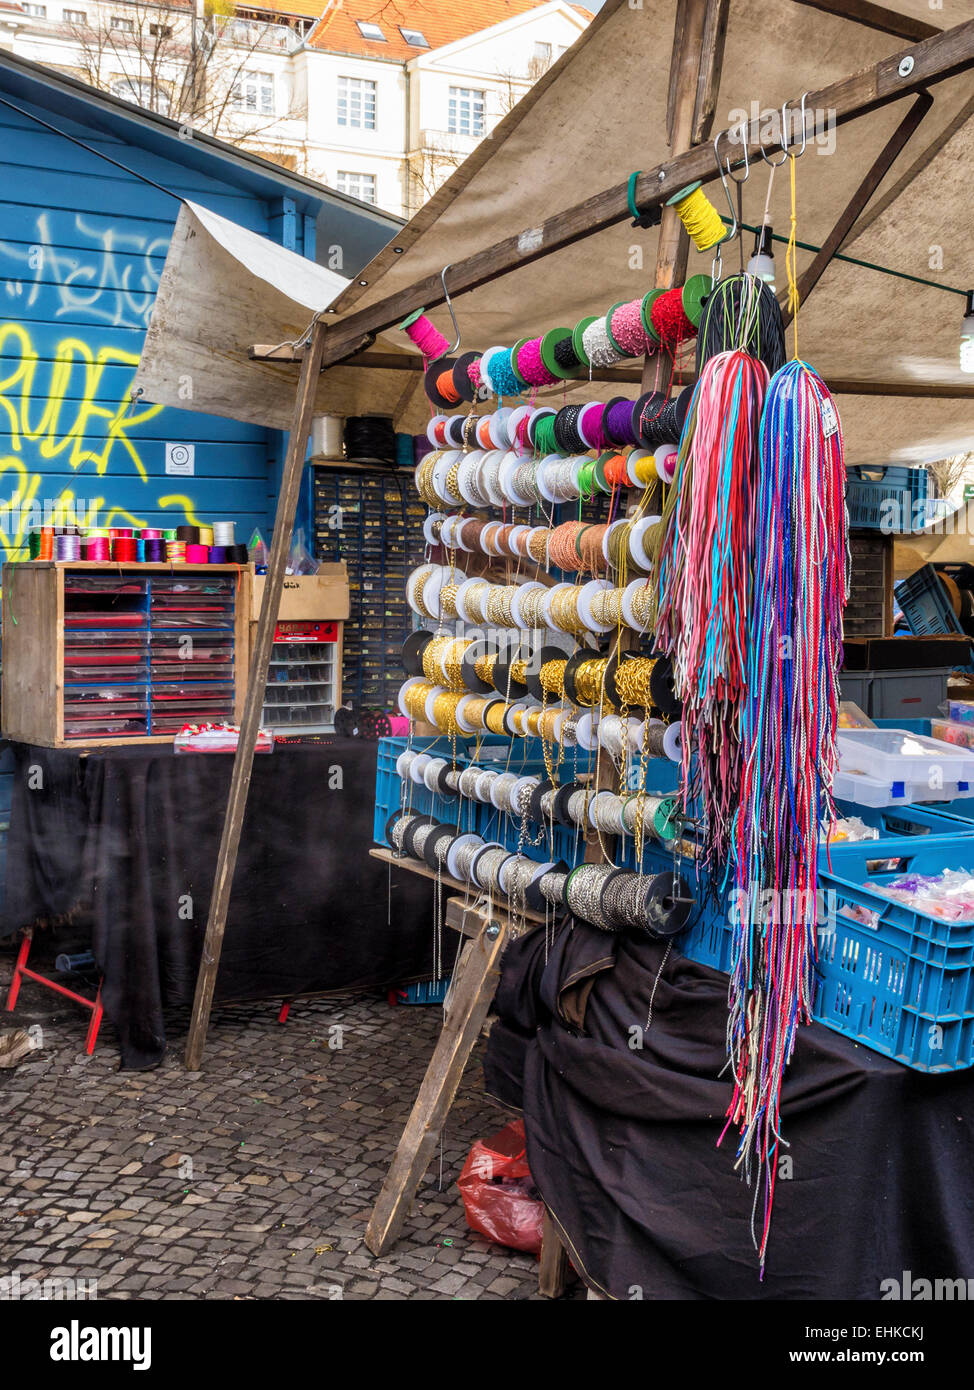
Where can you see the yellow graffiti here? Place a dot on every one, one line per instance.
(71, 404)
(61, 421)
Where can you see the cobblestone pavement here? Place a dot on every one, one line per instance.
(253, 1179)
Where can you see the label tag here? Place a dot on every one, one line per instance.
(181, 459)
(830, 420)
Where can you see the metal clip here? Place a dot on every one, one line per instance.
(449, 305)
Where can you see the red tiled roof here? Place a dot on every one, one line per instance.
(439, 21)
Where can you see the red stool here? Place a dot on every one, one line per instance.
(21, 972)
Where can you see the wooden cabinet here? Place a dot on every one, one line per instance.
(98, 654)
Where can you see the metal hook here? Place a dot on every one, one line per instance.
(784, 128)
(776, 163)
(745, 131)
(723, 178)
(449, 305)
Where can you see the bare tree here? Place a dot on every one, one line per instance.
(195, 64)
(947, 473)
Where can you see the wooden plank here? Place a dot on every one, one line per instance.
(685, 74)
(243, 760)
(850, 214)
(32, 675)
(934, 60)
(901, 26)
(474, 983)
(241, 641)
(553, 1267)
(711, 63)
(416, 866)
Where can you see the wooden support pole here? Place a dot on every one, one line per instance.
(857, 203)
(934, 60)
(243, 760)
(474, 982)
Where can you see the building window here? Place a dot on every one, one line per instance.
(361, 186)
(161, 31)
(466, 111)
(38, 11)
(254, 92)
(414, 37)
(542, 52)
(75, 17)
(356, 102)
(132, 89)
(368, 30)
(127, 26)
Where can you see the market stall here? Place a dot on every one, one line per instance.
(620, 717)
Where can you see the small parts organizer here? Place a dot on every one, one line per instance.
(97, 654)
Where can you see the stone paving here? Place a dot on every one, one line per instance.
(251, 1180)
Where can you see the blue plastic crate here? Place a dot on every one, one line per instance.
(925, 604)
(896, 822)
(878, 496)
(425, 992)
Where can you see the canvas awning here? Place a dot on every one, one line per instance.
(597, 114)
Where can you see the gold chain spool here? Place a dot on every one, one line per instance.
(498, 605)
(590, 682)
(552, 678)
(644, 605)
(519, 671)
(450, 663)
(632, 681)
(445, 712)
(432, 655)
(473, 595)
(495, 718)
(532, 607)
(448, 601)
(484, 666)
(564, 611)
(607, 606)
(415, 699)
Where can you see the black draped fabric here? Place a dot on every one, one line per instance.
(132, 835)
(622, 1140)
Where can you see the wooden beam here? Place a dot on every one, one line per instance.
(934, 60)
(474, 982)
(901, 26)
(636, 376)
(857, 203)
(673, 246)
(243, 760)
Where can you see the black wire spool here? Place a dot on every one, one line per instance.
(390, 822)
(721, 313)
(380, 725)
(461, 378)
(370, 438)
(663, 424)
(567, 437)
(519, 649)
(468, 674)
(665, 698)
(412, 651)
(443, 786)
(668, 905)
(559, 807)
(453, 430)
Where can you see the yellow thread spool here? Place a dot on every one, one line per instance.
(445, 712)
(644, 471)
(494, 718)
(703, 222)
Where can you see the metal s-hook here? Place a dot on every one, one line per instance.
(723, 178)
(449, 305)
(744, 130)
(776, 163)
(784, 129)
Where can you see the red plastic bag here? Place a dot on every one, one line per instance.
(499, 1195)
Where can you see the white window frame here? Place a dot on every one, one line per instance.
(123, 25)
(405, 30)
(79, 17)
(377, 37)
(467, 111)
(352, 182)
(35, 11)
(357, 95)
(261, 86)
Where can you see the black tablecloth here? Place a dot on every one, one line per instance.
(132, 835)
(621, 1141)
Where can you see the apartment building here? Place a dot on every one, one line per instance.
(380, 99)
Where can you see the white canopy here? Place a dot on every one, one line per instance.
(599, 113)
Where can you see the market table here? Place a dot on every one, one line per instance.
(876, 1182)
(130, 835)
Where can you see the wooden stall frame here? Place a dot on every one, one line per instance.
(698, 32)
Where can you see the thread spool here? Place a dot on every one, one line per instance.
(670, 320)
(704, 224)
(420, 331)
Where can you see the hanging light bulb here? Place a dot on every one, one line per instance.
(967, 336)
(761, 263)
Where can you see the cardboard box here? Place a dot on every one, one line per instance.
(305, 596)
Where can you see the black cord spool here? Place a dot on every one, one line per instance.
(664, 696)
(567, 437)
(433, 372)
(440, 836)
(534, 812)
(574, 661)
(370, 438)
(412, 651)
(668, 904)
(721, 313)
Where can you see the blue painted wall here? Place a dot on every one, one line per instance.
(82, 246)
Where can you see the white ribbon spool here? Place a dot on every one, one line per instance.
(665, 458)
(585, 596)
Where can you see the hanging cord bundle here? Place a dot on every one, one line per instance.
(703, 575)
(794, 651)
(742, 312)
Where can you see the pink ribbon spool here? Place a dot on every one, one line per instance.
(197, 554)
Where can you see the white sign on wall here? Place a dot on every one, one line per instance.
(181, 459)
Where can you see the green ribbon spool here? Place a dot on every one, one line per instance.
(577, 332)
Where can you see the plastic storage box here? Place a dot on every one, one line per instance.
(893, 694)
(890, 499)
(925, 604)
